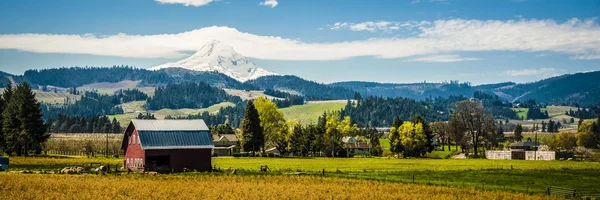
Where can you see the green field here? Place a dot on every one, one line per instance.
(509, 175)
(555, 112)
(525, 176)
(310, 113)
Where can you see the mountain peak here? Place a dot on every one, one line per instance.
(215, 56)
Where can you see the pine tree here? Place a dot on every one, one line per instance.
(30, 115)
(11, 125)
(397, 122)
(2, 142)
(252, 132)
(518, 132)
(116, 126)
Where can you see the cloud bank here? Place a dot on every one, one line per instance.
(541, 72)
(195, 3)
(576, 38)
(442, 58)
(271, 3)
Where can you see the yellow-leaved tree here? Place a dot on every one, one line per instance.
(413, 139)
(271, 120)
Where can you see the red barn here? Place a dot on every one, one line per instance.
(167, 145)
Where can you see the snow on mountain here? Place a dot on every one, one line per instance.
(217, 57)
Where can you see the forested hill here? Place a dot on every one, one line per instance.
(418, 91)
(581, 89)
(78, 76)
(310, 89)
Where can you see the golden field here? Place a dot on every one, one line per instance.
(51, 186)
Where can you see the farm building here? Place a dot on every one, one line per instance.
(354, 147)
(167, 145)
(225, 144)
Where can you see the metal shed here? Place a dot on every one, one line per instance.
(167, 145)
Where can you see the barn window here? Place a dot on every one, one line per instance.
(133, 142)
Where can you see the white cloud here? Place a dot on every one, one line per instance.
(378, 25)
(194, 3)
(575, 38)
(271, 3)
(541, 72)
(441, 58)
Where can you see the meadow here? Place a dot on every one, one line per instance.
(532, 177)
(49, 186)
(310, 113)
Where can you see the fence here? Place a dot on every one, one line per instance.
(567, 193)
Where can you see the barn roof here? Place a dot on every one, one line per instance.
(175, 140)
(169, 125)
(170, 134)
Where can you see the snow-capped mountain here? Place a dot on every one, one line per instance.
(217, 57)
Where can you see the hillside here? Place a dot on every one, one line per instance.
(581, 89)
(310, 113)
(310, 89)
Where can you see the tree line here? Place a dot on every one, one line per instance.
(264, 127)
(96, 124)
(188, 95)
(94, 104)
(22, 127)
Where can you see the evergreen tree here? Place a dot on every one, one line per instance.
(543, 126)
(252, 132)
(23, 122)
(397, 122)
(2, 142)
(116, 126)
(518, 132)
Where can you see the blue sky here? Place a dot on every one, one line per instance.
(326, 41)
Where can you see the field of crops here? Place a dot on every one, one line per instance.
(43, 186)
(515, 176)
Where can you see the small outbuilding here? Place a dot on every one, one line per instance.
(167, 145)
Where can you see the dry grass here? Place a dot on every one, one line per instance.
(40, 186)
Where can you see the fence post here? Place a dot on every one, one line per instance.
(548, 192)
(574, 193)
(413, 178)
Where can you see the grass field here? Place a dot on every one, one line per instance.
(309, 113)
(111, 88)
(511, 175)
(45, 186)
(54, 98)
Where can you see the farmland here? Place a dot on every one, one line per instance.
(309, 113)
(41, 186)
(513, 175)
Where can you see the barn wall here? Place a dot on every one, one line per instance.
(134, 153)
(192, 159)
